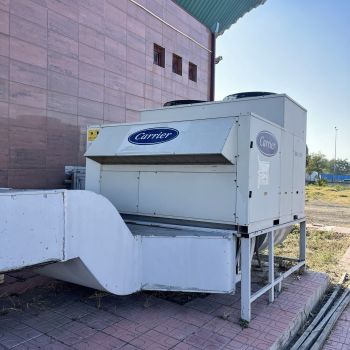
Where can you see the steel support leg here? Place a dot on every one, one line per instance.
(271, 276)
(302, 244)
(246, 279)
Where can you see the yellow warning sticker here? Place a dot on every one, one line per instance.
(92, 134)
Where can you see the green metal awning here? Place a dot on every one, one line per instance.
(224, 12)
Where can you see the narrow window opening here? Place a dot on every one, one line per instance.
(192, 72)
(177, 64)
(158, 55)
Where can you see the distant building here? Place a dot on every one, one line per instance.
(65, 64)
(313, 177)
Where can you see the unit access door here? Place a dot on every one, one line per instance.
(264, 173)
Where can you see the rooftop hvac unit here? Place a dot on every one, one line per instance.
(197, 187)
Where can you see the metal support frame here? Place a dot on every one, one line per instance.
(246, 297)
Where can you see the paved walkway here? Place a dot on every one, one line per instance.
(339, 338)
(65, 316)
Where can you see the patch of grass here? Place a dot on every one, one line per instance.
(323, 253)
(328, 194)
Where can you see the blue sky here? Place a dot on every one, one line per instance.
(297, 47)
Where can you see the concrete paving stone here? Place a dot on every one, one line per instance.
(24, 331)
(129, 347)
(340, 339)
(120, 333)
(176, 329)
(345, 315)
(159, 338)
(194, 317)
(266, 319)
(236, 345)
(227, 312)
(126, 330)
(13, 332)
(142, 321)
(333, 345)
(9, 340)
(267, 336)
(125, 310)
(246, 339)
(225, 299)
(75, 310)
(204, 305)
(45, 321)
(99, 319)
(150, 317)
(42, 342)
(205, 339)
(261, 344)
(72, 333)
(229, 331)
(340, 332)
(145, 342)
(101, 341)
(184, 346)
(216, 324)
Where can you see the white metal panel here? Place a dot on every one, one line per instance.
(299, 164)
(264, 175)
(205, 264)
(31, 228)
(193, 195)
(295, 119)
(243, 171)
(100, 251)
(200, 137)
(287, 175)
(121, 188)
(93, 176)
(271, 107)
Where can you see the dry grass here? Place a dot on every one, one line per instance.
(328, 194)
(324, 251)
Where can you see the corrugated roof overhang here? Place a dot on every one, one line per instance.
(224, 12)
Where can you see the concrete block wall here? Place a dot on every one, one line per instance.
(66, 64)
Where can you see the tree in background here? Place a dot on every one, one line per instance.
(342, 166)
(317, 162)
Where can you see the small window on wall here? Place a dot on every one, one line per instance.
(192, 72)
(177, 64)
(159, 55)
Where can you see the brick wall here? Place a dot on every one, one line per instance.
(65, 64)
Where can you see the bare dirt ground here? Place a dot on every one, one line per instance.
(320, 213)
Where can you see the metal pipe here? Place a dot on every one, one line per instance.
(169, 25)
(212, 67)
(276, 281)
(335, 154)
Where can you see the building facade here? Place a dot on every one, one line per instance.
(66, 64)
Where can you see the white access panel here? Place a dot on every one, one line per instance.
(195, 195)
(32, 222)
(264, 178)
(121, 188)
(194, 263)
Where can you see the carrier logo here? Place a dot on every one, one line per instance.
(267, 143)
(153, 136)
